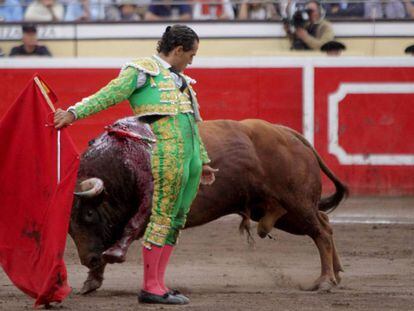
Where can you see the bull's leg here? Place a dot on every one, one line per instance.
(268, 221)
(337, 266)
(322, 236)
(94, 280)
(133, 230)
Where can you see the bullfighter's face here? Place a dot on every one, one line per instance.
(184, 58)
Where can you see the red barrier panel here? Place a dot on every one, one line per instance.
(271, 94)
(360, 118)
(364, 118)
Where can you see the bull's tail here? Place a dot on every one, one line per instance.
(330, 203)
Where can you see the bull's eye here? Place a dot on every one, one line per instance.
(90, 216)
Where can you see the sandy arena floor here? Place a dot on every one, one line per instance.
(216, 268)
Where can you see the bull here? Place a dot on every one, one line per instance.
(267, 173)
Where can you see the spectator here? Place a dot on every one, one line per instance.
(112, 12)
(410, 50)
(25, 4)
(213, 9)
(1, 52)
(30, 45)
(165, 10)
(333, 48)
(95, 10)
(257, 11)
(128, 10)
(86, 10)
(44, 11)
(393, 9)
(409, 7)
(10, 11)
(344, 9)
(312, 34)
(78, 10)
(288, 8)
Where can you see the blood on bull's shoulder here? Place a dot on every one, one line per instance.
(109, 188)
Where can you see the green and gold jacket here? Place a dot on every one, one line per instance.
(158, 96)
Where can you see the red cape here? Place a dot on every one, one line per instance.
(34, 208)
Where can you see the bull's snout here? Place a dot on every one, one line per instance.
(92, 261)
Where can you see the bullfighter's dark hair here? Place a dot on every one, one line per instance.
(177, 35)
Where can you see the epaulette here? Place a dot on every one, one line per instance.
(145, 64)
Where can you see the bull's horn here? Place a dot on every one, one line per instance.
(90, 188)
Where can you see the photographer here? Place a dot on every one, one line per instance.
(307, 29)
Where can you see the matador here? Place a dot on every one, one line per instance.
(162, 96)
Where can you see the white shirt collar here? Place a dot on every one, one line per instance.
(168, 66)
(163, 62)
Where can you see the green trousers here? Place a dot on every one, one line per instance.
(176, 167)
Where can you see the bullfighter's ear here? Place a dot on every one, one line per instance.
(90, 188)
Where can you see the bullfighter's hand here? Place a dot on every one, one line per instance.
(207, 176)
(63, 118)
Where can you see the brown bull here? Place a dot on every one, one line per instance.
(268, 173)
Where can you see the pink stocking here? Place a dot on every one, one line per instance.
(151, 261)
(162, 266)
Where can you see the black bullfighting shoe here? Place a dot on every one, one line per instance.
(167, 298)
(177, 293)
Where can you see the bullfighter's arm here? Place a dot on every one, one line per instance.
(114, 92)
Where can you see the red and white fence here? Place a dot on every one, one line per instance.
(358, 112)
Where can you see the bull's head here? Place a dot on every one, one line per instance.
(92, 226)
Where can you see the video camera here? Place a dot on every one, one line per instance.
(299, 19)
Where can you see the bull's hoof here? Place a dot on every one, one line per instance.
(325, 287)
(114, 255)
(90, 286)
(338, 277)
(262, 232)
(322, 285)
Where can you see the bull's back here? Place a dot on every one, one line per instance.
(276, 155)
(287, 160)
(271, 148)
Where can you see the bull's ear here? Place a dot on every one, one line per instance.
(90, 188)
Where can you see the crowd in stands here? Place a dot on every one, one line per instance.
(153, 10)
